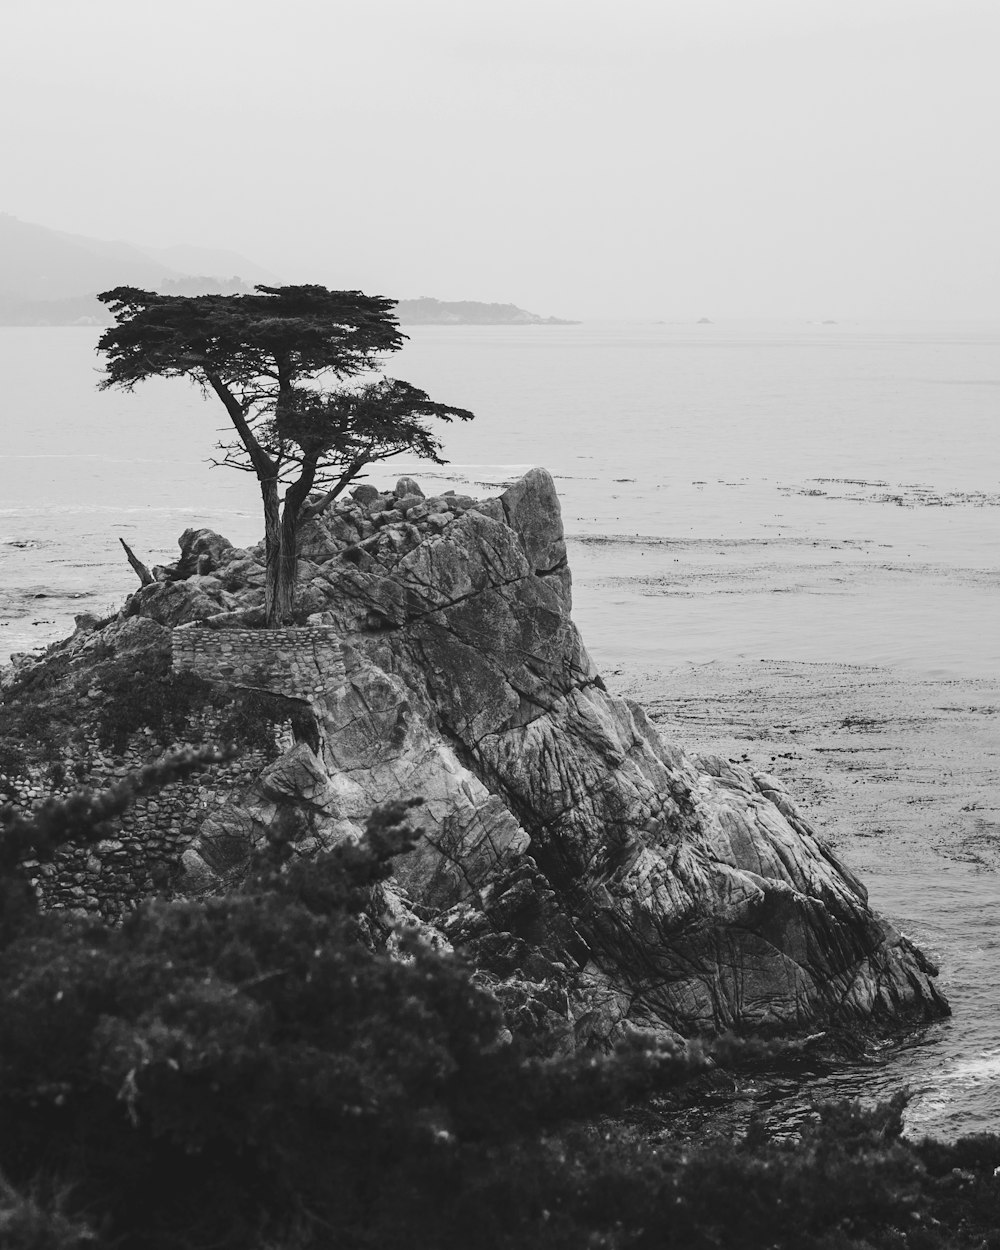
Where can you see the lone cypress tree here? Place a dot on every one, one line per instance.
(265, 356)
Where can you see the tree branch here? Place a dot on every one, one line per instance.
(348, 476)
(229, 463)
(263, 465)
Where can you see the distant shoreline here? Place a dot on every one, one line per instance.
(85, 310)
(427, 311)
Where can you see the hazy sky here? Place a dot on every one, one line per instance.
(652, 158)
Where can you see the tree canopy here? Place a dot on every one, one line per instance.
(332, 436)
(251, 344)
(269, 358)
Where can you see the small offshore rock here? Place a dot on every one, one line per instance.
(407, 486)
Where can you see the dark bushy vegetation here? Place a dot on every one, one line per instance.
(138, 696)
(251, 1071)
(126, 693)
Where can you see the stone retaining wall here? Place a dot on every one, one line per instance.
(300, 661)
(142, 852)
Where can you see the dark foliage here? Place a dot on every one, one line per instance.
(40, 712)
(128, 692)
(344, 430)
(37, 1220)
(31, 727)
(139, 697)
(250, 1071)
(242, 339)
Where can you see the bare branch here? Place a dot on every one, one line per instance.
(228, 462)
(258, 456)
(142, 572)
(341, 484)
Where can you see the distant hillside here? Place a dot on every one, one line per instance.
(436, 312)
(87, 310)
(48, 277)
(41, 264)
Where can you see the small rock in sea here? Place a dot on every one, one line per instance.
(407, 486)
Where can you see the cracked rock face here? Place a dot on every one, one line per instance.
(601, 879)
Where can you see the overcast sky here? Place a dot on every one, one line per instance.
(647, 158)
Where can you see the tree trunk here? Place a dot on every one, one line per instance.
(287, 560)
(283, 548)
(274, 611)
(267, 469)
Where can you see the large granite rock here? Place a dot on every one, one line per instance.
(601, 879)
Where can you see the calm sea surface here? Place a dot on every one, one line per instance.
(734, 491)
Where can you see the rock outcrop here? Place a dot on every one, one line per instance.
(600, 879)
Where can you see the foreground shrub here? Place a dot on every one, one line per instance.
(248, 1071)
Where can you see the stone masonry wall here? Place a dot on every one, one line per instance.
(142, 853)
(300, 661)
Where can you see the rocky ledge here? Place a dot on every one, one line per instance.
(600, 879)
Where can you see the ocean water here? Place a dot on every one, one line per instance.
(732, 492)
(806, 457)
